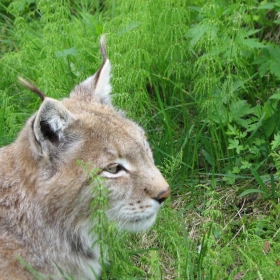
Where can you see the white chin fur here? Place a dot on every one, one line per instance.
(132, 217)
(140, 225)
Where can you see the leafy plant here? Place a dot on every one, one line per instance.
(202, 78)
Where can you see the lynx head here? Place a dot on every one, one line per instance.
(86, 127)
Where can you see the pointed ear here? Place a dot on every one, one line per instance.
(97, 87)
(49, 124)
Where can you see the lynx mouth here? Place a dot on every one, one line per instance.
(133, 220)
(138, 224)
(141, 219)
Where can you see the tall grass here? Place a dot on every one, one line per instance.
(202, 77)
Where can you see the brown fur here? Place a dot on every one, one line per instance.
(45, 196)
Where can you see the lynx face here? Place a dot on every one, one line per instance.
(45, 196)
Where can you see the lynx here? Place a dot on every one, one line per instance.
(45, 196)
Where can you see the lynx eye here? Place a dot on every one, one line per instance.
(114, 168)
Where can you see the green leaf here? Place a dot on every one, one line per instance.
(246, 123)
(234, 144)
(269, 61)
(267, 6)
(252, 43)
(198, 31)
(263, 69)
(275, 68)
(129, 27)
(275, 96)
(208, 157)
(245, 164)
(219, 115)
(275, 143)
(246, 192)
(268, 126)
(90, 21)
(217, 233)
(259, 60)
(252, 32)
(229, 178)
(232, 130)
(65, 53)
(236, 170)
(271, 124)
(258, 179)
(240, 108)
(266, 110)
(273, 52)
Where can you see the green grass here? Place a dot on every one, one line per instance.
(202, 78)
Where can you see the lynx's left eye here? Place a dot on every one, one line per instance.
(114, 168)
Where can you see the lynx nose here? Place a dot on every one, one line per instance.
(163, 195)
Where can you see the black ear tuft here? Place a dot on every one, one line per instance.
(97, 88)
(32, 87)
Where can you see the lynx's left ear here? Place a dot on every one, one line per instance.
(50, 127)
(96, 88)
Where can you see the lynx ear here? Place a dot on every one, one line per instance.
(97, 87)
(49, 124)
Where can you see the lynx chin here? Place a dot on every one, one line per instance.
(45, 196)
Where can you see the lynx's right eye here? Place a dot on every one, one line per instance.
(114, 168)
(117, 169)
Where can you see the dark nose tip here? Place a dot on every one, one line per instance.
(163, 195)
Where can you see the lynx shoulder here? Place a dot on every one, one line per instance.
(45, 196)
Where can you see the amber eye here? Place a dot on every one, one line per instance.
(114, 168)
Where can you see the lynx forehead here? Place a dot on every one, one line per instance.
(45, 196)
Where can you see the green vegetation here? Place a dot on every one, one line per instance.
(202, 77)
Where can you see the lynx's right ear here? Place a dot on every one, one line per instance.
(49, 126)
(96, 88)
